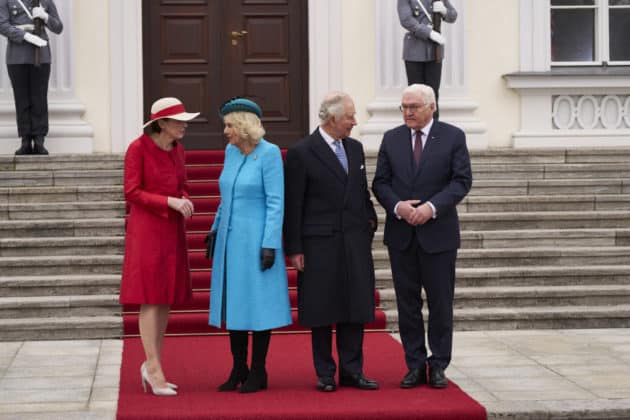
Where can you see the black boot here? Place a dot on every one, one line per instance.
(25, 148)
(238, 347)
(38, 147)
(257, 378)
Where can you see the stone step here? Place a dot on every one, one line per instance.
(528, 220)
(545, 238)
(551, 171)
(61, 194)
(62, 227)
(549, 186)
(533, 296)
(60, 285)
(61, 178)
(536, 256)
(528, 317)
(62, 162)
(544, 220)
(72, 210)
(556, 202)
(530, 276)
(531, 156)
(59, 306)
(95, 327)
(60, 265)
(534, 237)
(513, 297)
(24, 247)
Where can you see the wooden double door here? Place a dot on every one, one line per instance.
(205, 52)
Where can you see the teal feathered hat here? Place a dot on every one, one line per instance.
(240, 104)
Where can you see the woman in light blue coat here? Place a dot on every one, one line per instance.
(249, 281)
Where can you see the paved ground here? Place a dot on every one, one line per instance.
(541, 374)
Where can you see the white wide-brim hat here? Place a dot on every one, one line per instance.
(171, 108)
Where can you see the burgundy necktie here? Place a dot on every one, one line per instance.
(417, 148)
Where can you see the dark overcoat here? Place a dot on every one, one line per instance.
(330, 218)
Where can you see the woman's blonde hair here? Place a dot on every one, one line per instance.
(247, 125)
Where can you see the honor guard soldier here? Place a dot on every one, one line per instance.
(24, 23)
(423, 45)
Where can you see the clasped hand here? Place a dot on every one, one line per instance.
(182, 205)
(413, 213)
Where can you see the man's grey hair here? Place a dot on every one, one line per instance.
(333, 106)
(424, 91)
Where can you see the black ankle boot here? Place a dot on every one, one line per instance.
(257, 378)
(239, 373)
(256, 381)
(38, 146)
(25, 148)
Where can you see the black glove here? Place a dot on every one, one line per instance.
(267, 257)
(210, 238)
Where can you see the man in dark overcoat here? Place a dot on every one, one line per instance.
(329, 226)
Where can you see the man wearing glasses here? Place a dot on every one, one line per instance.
(422, 172)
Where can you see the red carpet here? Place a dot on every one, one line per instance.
(199, 364)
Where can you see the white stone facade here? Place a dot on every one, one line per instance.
(497, 84)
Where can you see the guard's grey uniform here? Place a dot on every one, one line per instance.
(29, 82)
(418, 49)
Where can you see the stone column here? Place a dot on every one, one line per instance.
(125, 34)
(68, 133)
(455, 106)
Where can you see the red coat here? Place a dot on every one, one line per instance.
(155, 269)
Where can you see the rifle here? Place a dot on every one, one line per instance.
(37, 31)
(437, 26)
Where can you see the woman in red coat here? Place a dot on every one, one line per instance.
(155, 270)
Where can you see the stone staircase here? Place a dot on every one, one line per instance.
(61, 246)
(545, 244)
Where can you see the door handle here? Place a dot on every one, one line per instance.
(236, 35)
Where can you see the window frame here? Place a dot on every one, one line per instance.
(601, 45)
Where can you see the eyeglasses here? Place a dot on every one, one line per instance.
(412, 107)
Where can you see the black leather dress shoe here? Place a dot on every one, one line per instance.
(413, 378)
(437, 378)
(357, 380)
(326, 384)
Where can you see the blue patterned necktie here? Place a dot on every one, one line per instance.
(341, 155)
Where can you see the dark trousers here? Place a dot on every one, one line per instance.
(30, 91)
(349, 349)
(414, 269)
(428, 73)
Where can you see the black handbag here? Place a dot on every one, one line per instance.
(210, 239)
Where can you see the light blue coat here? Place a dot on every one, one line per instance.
(249, 218)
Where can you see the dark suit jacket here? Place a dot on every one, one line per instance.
(444, 178)
(327, 218)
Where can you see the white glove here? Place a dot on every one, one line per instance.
(27, 27)
(438, 7)
(437, 38)
(35, 40)
(39, 12)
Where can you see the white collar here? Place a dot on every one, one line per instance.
(327, 137)
(426, 129)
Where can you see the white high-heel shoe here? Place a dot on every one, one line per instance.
(144, 377)
(168, 384)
